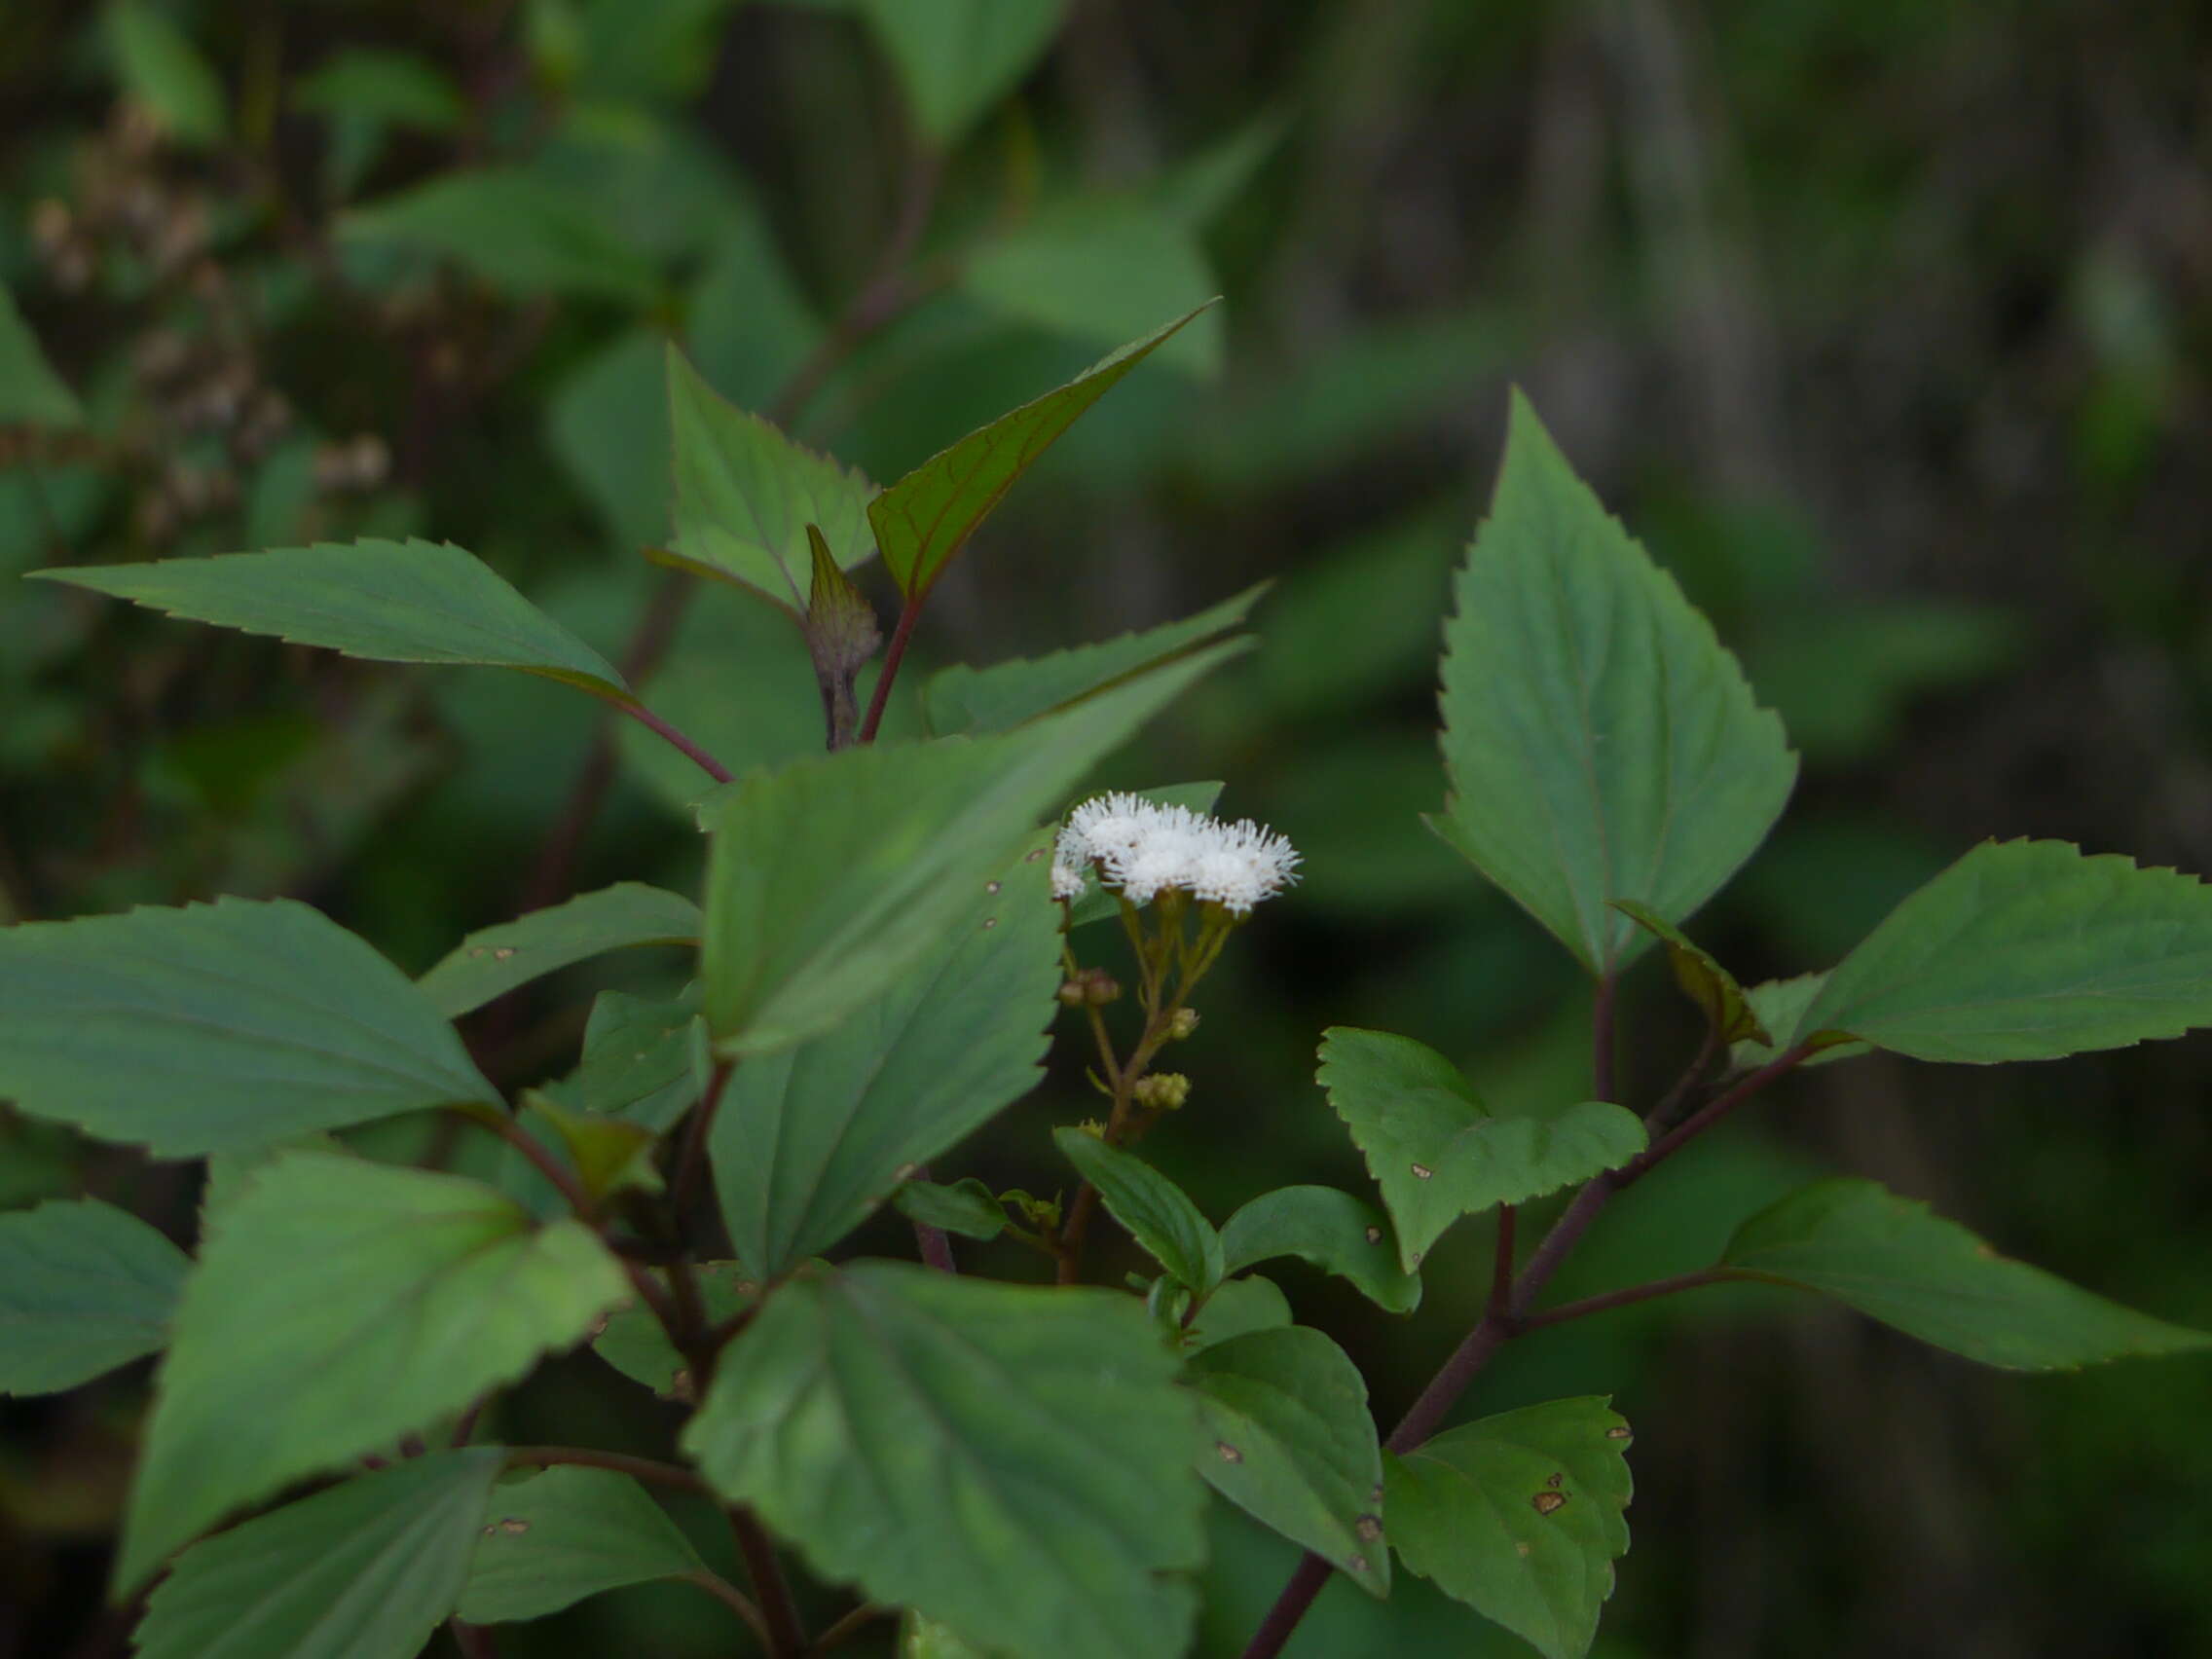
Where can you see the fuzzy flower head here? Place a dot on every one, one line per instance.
(1143, 850)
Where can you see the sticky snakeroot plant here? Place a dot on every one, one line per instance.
(885, 933)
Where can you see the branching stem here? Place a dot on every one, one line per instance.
(1427, 1413)
(1606, 1301)
(735, 1598)
(549, 1166)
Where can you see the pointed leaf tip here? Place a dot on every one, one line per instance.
(925, 519)
(1598, 741)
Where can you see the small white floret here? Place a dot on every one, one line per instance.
(1143, 849)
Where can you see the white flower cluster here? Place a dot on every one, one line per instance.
(1143, 849)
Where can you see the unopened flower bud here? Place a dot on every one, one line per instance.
(1072, 992)
(1182, 1024)
(1162, 1092)
(1101, 987)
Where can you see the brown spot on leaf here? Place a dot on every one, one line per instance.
(1521, 1549)
(1619, 1431)
(1033, 856)
(1228, 1453)
(990, 922)
(1376, 1496)
(1368, 1528)
(515, 1524)
(1358, 1564)
(1556, 1479)
(1549, 1503)
(1374, 1236)
(1423, 1172)
(502, 952)
(990, 887)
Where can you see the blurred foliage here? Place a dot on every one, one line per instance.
(1885, 322)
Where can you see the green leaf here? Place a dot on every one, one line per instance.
(1001, 697)
(632, 1341)
(808, 1142)
(926, 1638)
(1197, 189)
(1895, 1260)
(515, 229)
(365, 1570)
(1284, 1434)
(1701, 977)
(1438, 1153)
(841, 636)
(1099, 269)
(30, 391)
(608, 1155)
(1237, 1308)
(363, 1301)
(1520, 1515)
(364, 83)
(1157, 1213)
(928, 516)
(548, 1542)
(966, 1207)
(745, 495)
(493, 961)
(828, 878)
(1599, 743)
(1014, 1461)
(161, 68)
(232, 1024)
(645, 1061)
(84, 1288)
(958, 57)
(2028, 950)
(1335, 1232)
(1779, 1006)
(386, 601)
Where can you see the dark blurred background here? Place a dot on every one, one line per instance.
(1884, 322)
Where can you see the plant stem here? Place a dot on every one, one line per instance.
(880, 303)
(785, 1636)
(1602, 1037)
(1122, 1124)
(684, 745)
(1425, 1416)
(848, 1627)
(1501, 1269)
(551, 1167)
(1705, 1117)
(1606, 1300)
(1427, 1413)
(691, 1161)
(893, 656)
(933, 1242)
(736, 1599)
(1663, 1114)
(621, 1462)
